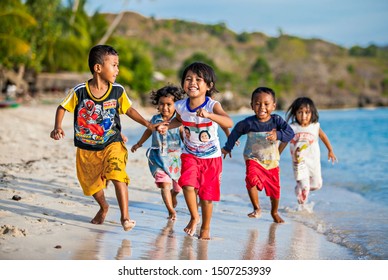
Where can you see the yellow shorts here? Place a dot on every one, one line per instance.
(95, 168)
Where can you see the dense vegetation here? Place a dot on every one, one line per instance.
(57, 39)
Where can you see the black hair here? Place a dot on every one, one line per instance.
(204, 71)
(265, 90)
(170, 90)
(97, 55)
(202, 132)
(299, 103)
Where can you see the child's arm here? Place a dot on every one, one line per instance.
(134, 114)
(58, 132)
(174, 123)
(147, 133)
(219, 116)
(331, 156)
(227, 133)
(225, 153)
(283, 131)
(282, 146)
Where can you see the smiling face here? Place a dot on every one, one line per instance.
(194, 85)
(263, 105)
(166, 106)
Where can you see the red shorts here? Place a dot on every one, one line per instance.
(202, 174)
(261, 178)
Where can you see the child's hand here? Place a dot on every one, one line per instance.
(162, 128)
(57, 134)
(225, 153)
(331, 156)
(125, 138)
(202, 113)
(272, 136)
(154, 126)
(135, 147)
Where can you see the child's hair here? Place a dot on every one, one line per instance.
(98, 53)
(265, 90)
(301, 102)
(169, 90)
(205, 72)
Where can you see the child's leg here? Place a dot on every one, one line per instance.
(167, 199)
(191, 201)
(104, 206)
(274, 211)
(302, 190)
(174, 193)
(207, 211)
(254, 196)
(121, 189)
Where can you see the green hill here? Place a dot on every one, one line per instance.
(335, 77)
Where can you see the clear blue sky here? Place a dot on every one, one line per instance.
(343, 22)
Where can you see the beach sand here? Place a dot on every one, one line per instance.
(45, 216)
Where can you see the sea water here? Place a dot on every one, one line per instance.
(351, 209)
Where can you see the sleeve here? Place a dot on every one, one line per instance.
(236, 133)
(70, 102)
(284, 131)
(125, 103)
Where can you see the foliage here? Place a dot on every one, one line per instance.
(58, 38)
(136, 67)
(14, 41)
(370, 51)
(260, 73)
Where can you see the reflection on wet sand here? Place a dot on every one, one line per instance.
(124, 250)
(265, 251)
(305, 244)
(165, 245)
(88, 248)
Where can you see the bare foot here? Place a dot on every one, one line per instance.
(255, 214)
(204, 234)
(173, 197)
(100, 216)
(191, 227)
(277, 218)
(172, 216)
(302, 196)
(128, 224)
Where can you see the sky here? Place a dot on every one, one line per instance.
(342, 22)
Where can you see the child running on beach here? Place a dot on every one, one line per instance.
(261, 152)
(201, 157)
(164, 154)
(304, 147)
(101, 154)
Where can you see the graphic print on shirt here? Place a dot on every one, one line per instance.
(165, 152)
(94, 121)
(300, 145)
(258, 148)
(200, 139)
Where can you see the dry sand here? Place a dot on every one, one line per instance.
(51, 220)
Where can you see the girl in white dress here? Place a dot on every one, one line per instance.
(304, 147)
